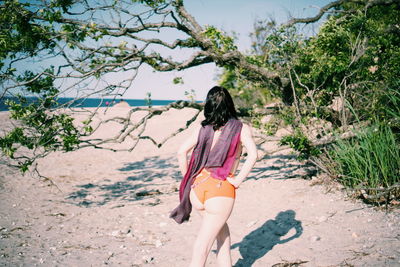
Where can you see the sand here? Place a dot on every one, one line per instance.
(111, 209)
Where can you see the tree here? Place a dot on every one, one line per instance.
(91, 40)
(353, 58)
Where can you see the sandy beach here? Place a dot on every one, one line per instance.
(111, 209)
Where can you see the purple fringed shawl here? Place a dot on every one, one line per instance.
(201, 157)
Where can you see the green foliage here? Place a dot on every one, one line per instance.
(39, 83)
(150, 3)
(191, 95)
(40, 31)
(387, 106)
(356, 55)
(19, 33)
(273, 45)
(245, 93)
(178, 80)
(42, 128)
(256, 120)
(299, 142)
(268, 128)
(372, 159)
(87, 128)
(287, 115)
(274, 48)
(220, 41)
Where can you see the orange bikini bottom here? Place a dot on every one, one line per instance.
(206, 187)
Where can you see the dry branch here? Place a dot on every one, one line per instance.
(378, 195)
(336, 4)
(130, 127)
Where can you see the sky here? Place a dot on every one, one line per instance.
(228, 15)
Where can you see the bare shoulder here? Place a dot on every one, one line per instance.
(247, 140)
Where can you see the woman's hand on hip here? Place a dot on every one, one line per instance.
(233, 182)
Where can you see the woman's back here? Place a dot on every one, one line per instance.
(208, 182)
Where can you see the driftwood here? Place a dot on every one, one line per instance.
(289, 264)
(325, 140)
(382, 194)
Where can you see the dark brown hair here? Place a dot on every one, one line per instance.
(219, 108)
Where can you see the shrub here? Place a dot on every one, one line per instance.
(299, 142)
(370, 160)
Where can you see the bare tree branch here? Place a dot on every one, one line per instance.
(317, 17)
(129, 128)
(325, 9)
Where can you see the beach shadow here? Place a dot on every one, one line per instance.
(149, 163)
(273, 232)
(143, 179)
(282, 167)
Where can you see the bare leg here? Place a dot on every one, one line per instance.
(216, 213)
(224, 247)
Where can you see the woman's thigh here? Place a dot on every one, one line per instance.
(215, 215)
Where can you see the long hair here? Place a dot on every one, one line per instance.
(219, 108)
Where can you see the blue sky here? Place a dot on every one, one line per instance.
(239, 15)
(228, 15)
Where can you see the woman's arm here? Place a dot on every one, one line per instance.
(185, 148)
(247, 140)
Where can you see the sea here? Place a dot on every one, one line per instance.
(91, 102)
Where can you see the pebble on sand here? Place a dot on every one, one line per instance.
(315, 238)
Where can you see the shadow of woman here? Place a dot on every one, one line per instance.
(256, 244)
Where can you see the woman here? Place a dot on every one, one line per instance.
(209, 184)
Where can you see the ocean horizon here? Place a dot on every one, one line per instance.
(93, 102)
